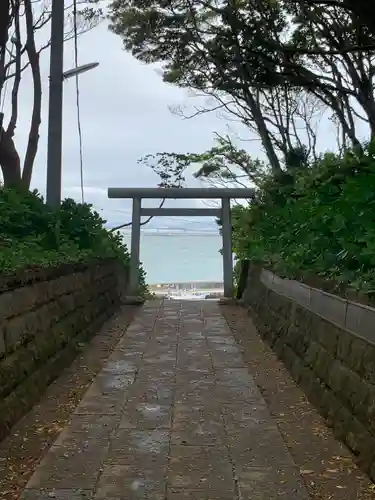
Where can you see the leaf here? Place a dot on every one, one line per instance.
(38, 237)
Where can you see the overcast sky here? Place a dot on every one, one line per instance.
(125, 115)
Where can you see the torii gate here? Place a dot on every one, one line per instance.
(224, 213)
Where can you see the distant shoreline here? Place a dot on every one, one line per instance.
(175, 233)
(187, 285)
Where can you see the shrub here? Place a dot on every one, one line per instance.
(322, 224)
(31, 234)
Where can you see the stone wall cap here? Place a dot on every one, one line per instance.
(352, 316)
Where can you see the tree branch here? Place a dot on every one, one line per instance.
(127, 224)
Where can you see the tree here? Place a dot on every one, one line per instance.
(238, 48)
(341, 79)
(190, 50)
(5, 20)
(292, 118)
(201, 49)
(19, 53)
(362, 10)
(9, 158)
(222, 164)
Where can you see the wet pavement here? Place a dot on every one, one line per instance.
(173, 415)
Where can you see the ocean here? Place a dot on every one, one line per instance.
(180, 257)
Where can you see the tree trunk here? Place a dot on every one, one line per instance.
(242, 282)
(9, 160)
(4, 27)
(263, 132)
(32, 144)
(253, 104)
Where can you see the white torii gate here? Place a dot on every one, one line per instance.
(224, 213)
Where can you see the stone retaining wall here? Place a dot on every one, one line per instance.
(328, 345)
(45, 316)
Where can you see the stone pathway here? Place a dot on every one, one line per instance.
(173, 415)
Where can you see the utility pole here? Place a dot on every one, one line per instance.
(55, 112)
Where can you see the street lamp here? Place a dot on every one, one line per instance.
(80, 69)
(55, 111)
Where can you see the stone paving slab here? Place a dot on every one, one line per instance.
(173, 415)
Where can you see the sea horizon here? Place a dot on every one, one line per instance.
(174, 231)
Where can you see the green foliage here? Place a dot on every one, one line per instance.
(236, 45)
(201, 41)
(170, 167)
(322, 223)
(222, 163)
(33, 235)
(297, 157)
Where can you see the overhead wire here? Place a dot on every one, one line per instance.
(78, 107)
(79, 127)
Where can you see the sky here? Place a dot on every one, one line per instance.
(125, 115)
